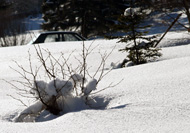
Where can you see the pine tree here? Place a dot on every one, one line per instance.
(51, 11)
(140, 48)
(90, 17)
(4, 4)
(95, 17)
(83, 15)
(113, 10)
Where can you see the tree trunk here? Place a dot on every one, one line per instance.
(134, 36)
(83, 26)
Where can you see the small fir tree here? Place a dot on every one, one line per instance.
(140, 48)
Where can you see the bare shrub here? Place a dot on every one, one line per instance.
(14, 40)
(68, 89)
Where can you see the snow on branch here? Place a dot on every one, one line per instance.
(70, 91)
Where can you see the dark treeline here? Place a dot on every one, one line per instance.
(88, 17)
(96, 17)
(12, 13)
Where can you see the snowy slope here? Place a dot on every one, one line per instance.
(153, 97)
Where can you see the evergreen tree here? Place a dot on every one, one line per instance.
(139, 47)
(113, 10)
(83, 15)
(90, 17)
(4, 4)
(51, 11)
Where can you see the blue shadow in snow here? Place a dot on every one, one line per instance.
(120, 106)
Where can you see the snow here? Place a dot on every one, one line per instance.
(33, 109)
(152, 97)
(175, 39)
(131, 11)
(75, 78)
(51, 90)
(90, 86)
(66, 87)
(33, 22)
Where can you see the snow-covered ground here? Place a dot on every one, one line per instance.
(152, 98)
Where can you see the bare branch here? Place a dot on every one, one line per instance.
(18, 100)
(40, 55)
(109, 86)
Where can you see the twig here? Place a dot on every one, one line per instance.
(110, 86)
(18, 100)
